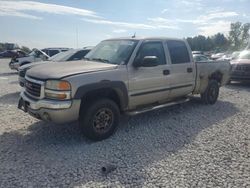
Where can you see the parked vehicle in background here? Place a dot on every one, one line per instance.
(12, 54)
(197, 52)
(34, 56)
(124, 75)
(70, 55)
(201, 58)
(235, 55)
(53, 51)
(241, 67)
(217, 56)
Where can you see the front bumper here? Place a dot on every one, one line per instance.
(50, 110)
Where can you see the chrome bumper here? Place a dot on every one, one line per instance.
(44, 103)
(50, 110)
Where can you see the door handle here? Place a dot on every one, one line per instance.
(189, 70)
(166, 72)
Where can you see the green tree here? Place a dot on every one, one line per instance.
(245, 36)
(220, 41)
(239, 35)
(25, 49)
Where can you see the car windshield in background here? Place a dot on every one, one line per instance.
(244, 55)
(62, 56)
(36, 53)
(112, 51)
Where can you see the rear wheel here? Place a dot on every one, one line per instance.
(99, 119)
(211, 94)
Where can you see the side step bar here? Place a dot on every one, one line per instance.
(132, 113)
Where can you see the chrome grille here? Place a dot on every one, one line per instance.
(34, 88)
(243, 68)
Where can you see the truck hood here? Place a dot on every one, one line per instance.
(57, 70)
(240, 61)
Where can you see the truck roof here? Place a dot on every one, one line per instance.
(146, 38)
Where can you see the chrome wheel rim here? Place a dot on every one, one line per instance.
(103, 120)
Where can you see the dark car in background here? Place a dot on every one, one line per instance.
(12, 54)
(70, 55)
(241, 67)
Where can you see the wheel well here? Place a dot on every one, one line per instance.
(102, 93)
(216, 76)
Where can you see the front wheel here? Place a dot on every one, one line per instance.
(99, 119)
(211, 94)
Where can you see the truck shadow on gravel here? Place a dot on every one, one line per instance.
(10, 98)
(239, 86)
(60, 156)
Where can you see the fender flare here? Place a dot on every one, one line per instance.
(118, 86)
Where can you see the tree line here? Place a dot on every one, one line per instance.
(237, 39)
(12, 46)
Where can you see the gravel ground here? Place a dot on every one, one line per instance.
(188, 145)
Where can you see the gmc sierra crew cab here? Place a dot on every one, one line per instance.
(120, 76)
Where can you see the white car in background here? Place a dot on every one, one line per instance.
(35, 56)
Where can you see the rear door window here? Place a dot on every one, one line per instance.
(178, 52)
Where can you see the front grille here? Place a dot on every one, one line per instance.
(32, 88)
(243, 68)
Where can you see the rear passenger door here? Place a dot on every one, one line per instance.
(182, 75)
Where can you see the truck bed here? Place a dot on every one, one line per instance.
(211, 69)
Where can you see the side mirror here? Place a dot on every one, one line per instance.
(148, 61)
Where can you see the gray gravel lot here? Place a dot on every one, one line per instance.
(188, 145)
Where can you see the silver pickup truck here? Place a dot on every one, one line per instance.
(124, 75)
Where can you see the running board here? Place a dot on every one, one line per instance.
(132, 113)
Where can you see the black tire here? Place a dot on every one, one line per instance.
(99, 119)
(211, 94)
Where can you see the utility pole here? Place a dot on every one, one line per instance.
(76, 36)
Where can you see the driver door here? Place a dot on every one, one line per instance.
(148, 85)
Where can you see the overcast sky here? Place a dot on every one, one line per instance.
(56, 23)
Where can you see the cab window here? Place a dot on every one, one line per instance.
(178, 52)
(152, 49)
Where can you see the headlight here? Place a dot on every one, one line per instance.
(58, 85)
(57, 89)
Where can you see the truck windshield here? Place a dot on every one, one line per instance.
(112, 51)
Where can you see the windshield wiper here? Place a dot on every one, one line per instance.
(101, 60)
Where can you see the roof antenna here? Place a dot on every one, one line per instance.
(134, 35)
